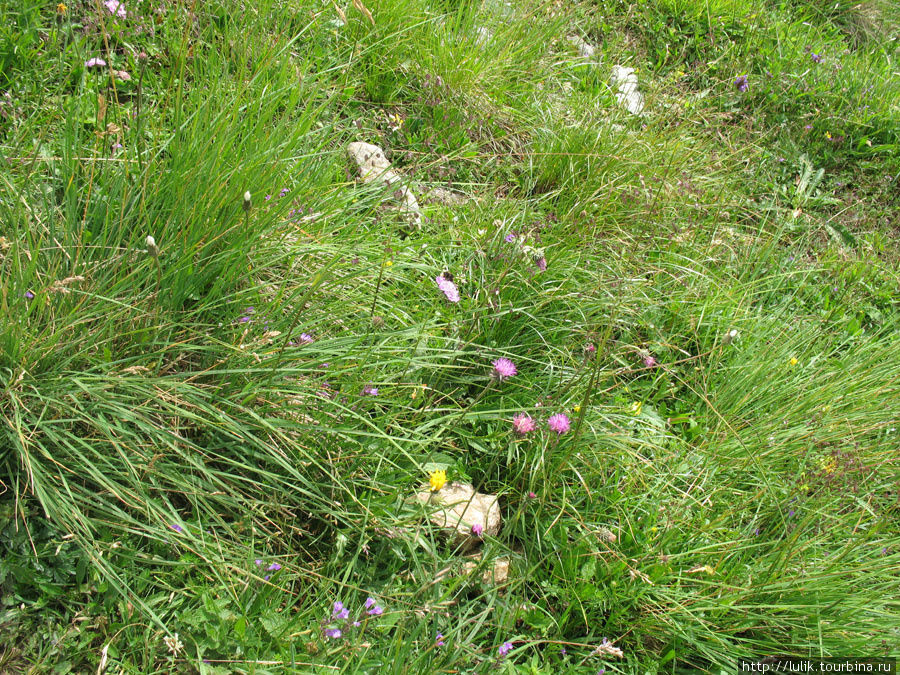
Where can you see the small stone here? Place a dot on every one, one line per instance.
(585, 49)
(628, 95)
(458, 507)
(497, 573)
(373, 165)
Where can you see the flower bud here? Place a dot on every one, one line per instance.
(152, 248)
(247, 203)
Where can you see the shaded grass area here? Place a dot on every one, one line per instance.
(194, 465)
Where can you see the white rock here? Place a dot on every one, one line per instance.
(441, 195)
(628, 95)
(496, 573)
(373, 165)
(458, 507)
(585, 49)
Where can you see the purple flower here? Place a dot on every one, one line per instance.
(448, 287)
(339, 611)
(559, 423)
(504, 649)
(477, 529)
(274, 567)
(791, 513)
(808, 127)
(372, 608)
(356, 624)
(29, 295)
(94, 62)
(244, 319)
(258, 562)
(649, 361)
(267, 577)
(333, 633)
(741, 83)
(510, 238)
(439, 640)
(268, 197)
(283, 192)
(756, 531)
(177, 528)
(306, 338)
(541, 264)
(816, 57)
(522, 424)
(590, 348)
(115, 7)
(369, 390)
(504, 368)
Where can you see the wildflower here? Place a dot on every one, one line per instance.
(339, 611)
(258, 562)
(306, 338)
(636, 407)
(541, 264)
(94, 62)
(437, 480)
(268, 197)
(29, 295)
(333, 633)
(477, 529)
(439, 640)
(373, 609)
(817, 58)
(590, 348)
(247, 203)
(504, 368)
(828, 135)
(510, 238)
(791, 513)
(369, 390)
(793, 361)
(448, 287)
(115, 7)
(522, 423)
(177, 528)
(730, 337)
(173, 643)
(649, 361)
(559, 423)
(152, 248)
(61, 9)
(808, 127)
(274, 567)
(505, 648)
(532, 495)
(283, 192)
(741, 83)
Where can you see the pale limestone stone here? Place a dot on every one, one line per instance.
(628, 94)
(374, 166)
(496, 573)
(458, 507)
(585, 49)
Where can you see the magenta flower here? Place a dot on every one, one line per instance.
(505, 649)
(590, 348)
(522, 423)
(531, 495)
(541, 264)
(448, 287)
(649, 361)
(559, 423)
(95, 62)
(115, 7)
(369, 390)
(439, 640)
(258, 562)
(504, 368)
(333, 633)
(340, 612)
(373, 609)
(477, 529)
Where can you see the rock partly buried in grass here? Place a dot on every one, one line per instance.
(462, 511)
(628, 95)
(585, 49)
(374, 166)
(439, 195)
(497, 572)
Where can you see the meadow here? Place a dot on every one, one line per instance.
(667, 342)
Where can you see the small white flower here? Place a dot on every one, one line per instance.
(152, 248)
(173, 643)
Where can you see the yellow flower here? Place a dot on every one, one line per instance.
(794, 361)
(576, 409)
(437, 480)
(828, 135)
(61, 9)
(636, 407)
(389, 263)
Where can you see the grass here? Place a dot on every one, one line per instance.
(194, 464)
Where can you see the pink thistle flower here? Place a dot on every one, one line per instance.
(559, 423)
(531, 495)
(522, 423)
(477, 529)
(116, 7)
(541, 264)
(448, 287)
(504, 368)
(590, 348)
(649, 361)
(95, 62)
